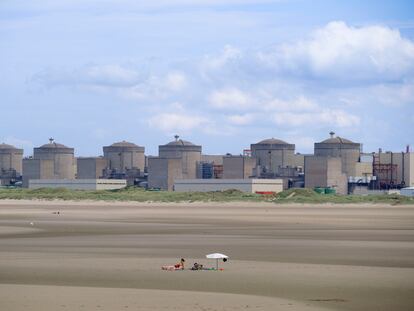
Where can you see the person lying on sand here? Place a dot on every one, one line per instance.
(178, 266)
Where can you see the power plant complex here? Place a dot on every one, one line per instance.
(337, 165)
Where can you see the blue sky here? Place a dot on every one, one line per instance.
(223, 74)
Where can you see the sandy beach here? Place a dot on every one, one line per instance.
(107, 256)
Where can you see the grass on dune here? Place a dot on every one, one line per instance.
(295, 195)
(128, 194)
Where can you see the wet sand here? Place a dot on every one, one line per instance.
(107, 256)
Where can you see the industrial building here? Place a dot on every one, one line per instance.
(238, 167)
(325, 172)
(338, 147)
(49, 161)
(78, 184)
(338, 163)
(271, 155)
(91, 167)
(245, 185)
(163, 171)
(189, 154)
(10, 164)
(211, 166)
(276, 158)
(123, 156)
(125, 160)
(393, 169)
(177, 160)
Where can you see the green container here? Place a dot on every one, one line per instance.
(319, 190)
(330, 191)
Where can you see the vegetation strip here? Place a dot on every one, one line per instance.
(141, 195)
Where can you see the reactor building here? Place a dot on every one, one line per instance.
(125, 160)
(10, 164)
(177, 159)
(49, 161)
(337, 162)
(276, 158)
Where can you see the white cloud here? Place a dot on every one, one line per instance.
(298, 86)
(337, 118)
(231, 99)
(106, 75)
(344, 52)
(227, 56)
(156, 88)
(241, 119)
(393, 95)
(175, 81)
(300, 104)
(176, 122)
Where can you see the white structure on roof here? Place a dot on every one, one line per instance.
(244, 185)
(78, 184)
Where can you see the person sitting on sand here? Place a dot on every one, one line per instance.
(180, 265)
(197, 266)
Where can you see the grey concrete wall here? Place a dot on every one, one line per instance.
(323, 171)
(78, 184)
(158, 173)
(315, 172)
(335, 177)
(163, 171)
(91, 168)
(189, 155)
(244, 185)
(238, 167)
(37, 169)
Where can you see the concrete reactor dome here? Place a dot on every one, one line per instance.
(180, 142)
(4, 146)
(271, 144)
(272, 141)
(125, 144)
(53, 146)
(336, 142)
(179, 145)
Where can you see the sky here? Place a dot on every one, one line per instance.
(219, 73)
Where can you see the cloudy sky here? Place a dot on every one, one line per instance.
(221, 73)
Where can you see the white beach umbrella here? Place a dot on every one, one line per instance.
(217, 256)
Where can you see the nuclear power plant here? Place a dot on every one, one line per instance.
(337, 165)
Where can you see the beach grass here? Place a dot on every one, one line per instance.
(295, 195)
